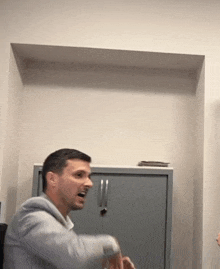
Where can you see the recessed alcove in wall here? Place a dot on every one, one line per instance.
(120, 107)
(121, 90)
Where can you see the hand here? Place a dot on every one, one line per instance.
(127, 263)
(114, 262)
(218, 239)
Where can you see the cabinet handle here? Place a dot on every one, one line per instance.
(100, 195)
(106, 193)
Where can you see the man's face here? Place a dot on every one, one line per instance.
(74, 183)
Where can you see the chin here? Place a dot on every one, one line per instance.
(77, 207)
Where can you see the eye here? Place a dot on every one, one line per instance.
(83, 175)
(79, 175)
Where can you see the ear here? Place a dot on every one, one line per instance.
(51, 179)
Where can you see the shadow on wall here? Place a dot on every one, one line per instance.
(11, 204)
(106, 77)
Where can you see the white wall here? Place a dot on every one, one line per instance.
(119, 116)
(11, 147)
(161, 26)
(198, 185)
(211, 161)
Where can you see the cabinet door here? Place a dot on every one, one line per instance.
(136, 216)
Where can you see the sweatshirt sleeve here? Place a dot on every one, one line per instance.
(48, 239)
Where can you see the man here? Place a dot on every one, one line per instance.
(41, 233)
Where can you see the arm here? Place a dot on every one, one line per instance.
(42, 235)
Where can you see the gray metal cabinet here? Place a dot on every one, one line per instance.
(132, 204)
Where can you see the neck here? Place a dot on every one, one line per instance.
(59, 204)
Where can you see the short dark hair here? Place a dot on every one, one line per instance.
(57, 160)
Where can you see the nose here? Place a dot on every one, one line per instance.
(89, 182)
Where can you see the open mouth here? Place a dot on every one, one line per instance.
(82, 194)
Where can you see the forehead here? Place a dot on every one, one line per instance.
(77, 164)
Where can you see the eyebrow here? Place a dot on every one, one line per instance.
(81, 171)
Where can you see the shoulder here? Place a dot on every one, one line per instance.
(38, 208)
(37, 203)
(40, 204)
(38, 212)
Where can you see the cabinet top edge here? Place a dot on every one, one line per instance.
(130, 167)
(123, 168)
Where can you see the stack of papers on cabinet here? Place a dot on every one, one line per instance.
(153, 163)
